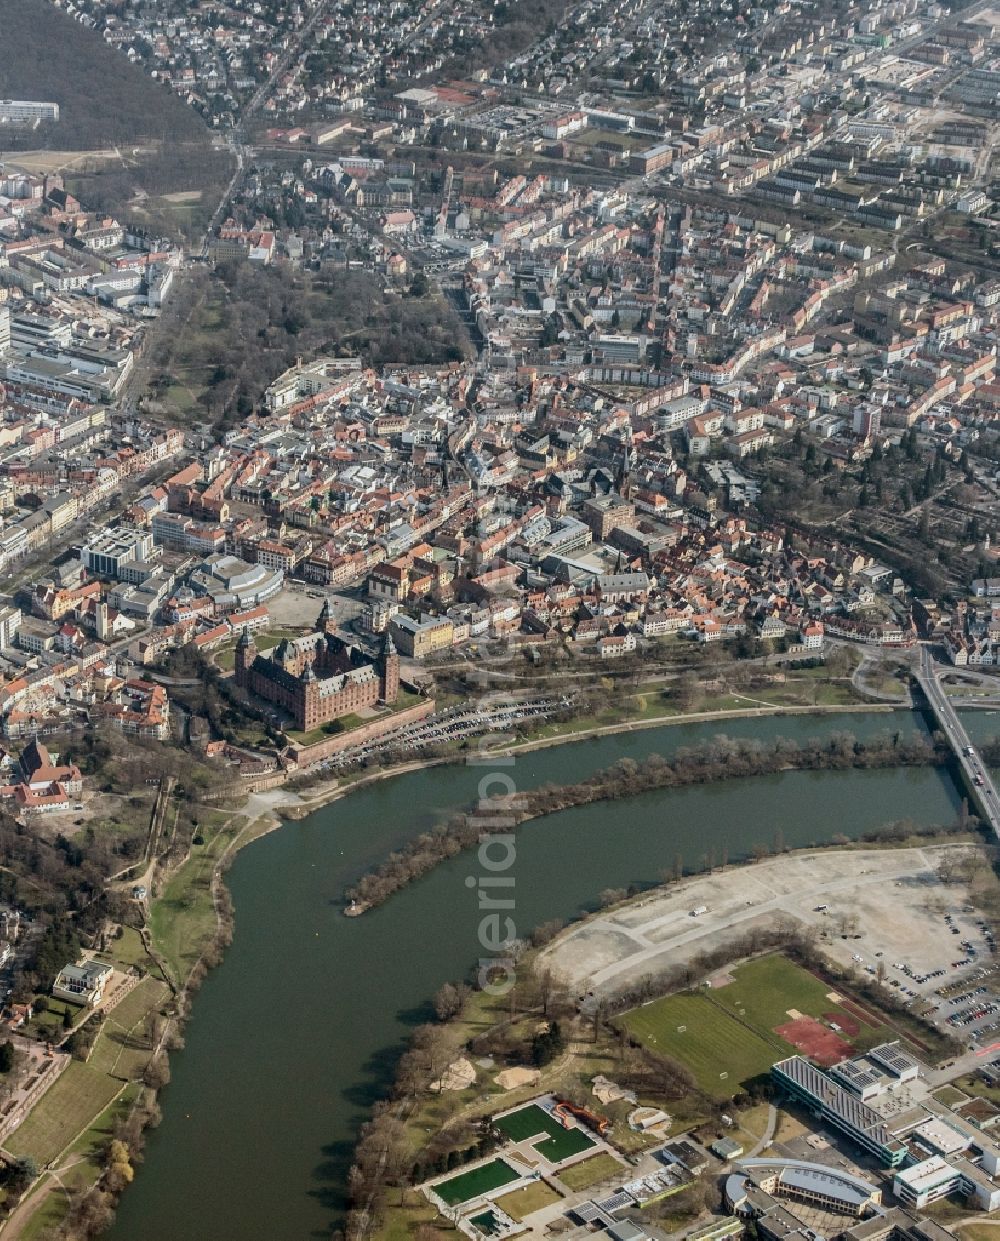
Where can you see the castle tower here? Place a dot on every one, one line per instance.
(388, 668)
(246, 653)
(324, 622)
(308, 699)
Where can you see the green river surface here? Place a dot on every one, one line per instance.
(297, 1033)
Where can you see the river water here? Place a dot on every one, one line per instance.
(297, 1032)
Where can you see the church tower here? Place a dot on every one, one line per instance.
(624, 479)
(389, 670)
(246, 653)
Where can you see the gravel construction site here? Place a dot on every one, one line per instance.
(871, 908)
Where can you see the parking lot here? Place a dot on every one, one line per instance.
(887, 914)
(948, 972)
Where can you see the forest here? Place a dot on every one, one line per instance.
(160, 145)
(103, 99)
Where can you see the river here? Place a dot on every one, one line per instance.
(297, 1032)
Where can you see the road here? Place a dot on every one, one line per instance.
(977, 776)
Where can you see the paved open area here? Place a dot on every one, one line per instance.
(870, 907)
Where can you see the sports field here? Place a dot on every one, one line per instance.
(529, 1121)
(719, 1051)
(765, 989)
(475, 1182)
(755, 1014)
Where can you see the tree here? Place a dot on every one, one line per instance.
(450, 1000)
(21, 1175)
(6, 1056)
(67, 1018)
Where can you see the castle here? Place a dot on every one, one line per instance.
(319, 677)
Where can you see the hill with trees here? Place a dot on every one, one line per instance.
(104, 100)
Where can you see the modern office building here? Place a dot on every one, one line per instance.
(27, 111)
(838, 1108)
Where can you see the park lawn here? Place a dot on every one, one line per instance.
(67, 1107)
(180, 396)
(526, 1201)
(719, 1051)
(225, 658)
(48, 1025)
(182, 919)
(401, 1222)
(973, 1085)
(590, 1171)
(475, 1182)
(753, 1121)
(977, 1232)
(128, 949)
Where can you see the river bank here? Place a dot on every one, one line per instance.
(191, 918)
(712, 763)
(365, 983)
(330, 791)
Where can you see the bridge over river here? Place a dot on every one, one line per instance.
(979, 784)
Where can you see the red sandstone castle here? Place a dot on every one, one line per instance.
(319, 677)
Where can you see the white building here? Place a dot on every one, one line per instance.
(27, 112)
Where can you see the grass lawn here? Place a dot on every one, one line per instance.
(182, 919)
(719, 1051)
(127, 950)
(79, 1095)
(978, 1232)
(402, 1222)
(753, 1121)
(527, 1201)
(475, 1182)
(947, 1211)
(49, 1024)
(973, 1085)
(590, 1171)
